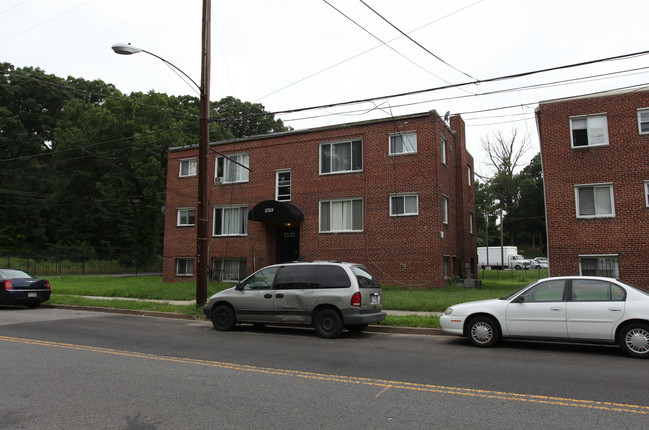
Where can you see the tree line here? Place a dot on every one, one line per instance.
(83, 166)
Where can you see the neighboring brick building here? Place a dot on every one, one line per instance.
(395, 194)
(595, 152)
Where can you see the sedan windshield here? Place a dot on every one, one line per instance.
(512, 295)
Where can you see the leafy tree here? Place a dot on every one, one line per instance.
(31, 103)
(518, 195)
(83, 166)
(244, 118)
(526, 220)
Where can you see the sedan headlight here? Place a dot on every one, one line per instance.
(448, 311)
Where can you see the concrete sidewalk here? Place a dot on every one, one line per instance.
(193, 302)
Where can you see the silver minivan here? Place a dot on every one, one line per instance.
(330, 296)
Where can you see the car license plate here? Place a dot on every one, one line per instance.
(375, 298)
(32, 295)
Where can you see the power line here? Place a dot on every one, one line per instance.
(482, 81)
(385, 43)
(415, 42)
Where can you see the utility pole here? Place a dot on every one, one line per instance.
(202, 203)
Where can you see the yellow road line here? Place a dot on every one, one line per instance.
(383, 384)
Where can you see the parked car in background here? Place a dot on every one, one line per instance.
(578, 309)
(328, 295)
(539, 263)
(19, 288)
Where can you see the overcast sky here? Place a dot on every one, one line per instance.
(288, 54)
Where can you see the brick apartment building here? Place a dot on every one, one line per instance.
(394, 194)
(595, 155)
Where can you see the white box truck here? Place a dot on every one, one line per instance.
(491, 257)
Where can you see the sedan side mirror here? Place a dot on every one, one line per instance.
(519, 299)
(239, 286)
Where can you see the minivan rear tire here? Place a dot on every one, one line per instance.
(328, 323)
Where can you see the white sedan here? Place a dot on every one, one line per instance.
(577, 308)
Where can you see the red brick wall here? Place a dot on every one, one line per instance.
(398, 250)
(624, 163)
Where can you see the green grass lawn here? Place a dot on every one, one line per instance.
(68, 289)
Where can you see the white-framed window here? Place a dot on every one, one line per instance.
(443, 147)
(406, 204)
(643, 120)
(229, 269)
(470, 222)
(445, 209)
(186, 217)
(469, 171)
(187, 167)
(594, 201)
(599, 265)
(232, 169)
(283, 185)
(341, 215)
(341, 157)
(184, 267)
(403, 143)
(588, 131)
(230, 221)
(646, 193)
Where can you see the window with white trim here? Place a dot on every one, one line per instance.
(589, 131)
(470, 174)
(187, 168)
(599, 265)
(444, 209)
(184, 267)
(283, 185)
(186, 217)
(229, 269)
(594, 201)
(643, 120)
(443, 147)
(341, 215)
(403, 143)
(230, 221)
(470, 222)
(233, 168)
(341, 157)
(646, 193)
(404, 204)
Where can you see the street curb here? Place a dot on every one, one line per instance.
(141, 313)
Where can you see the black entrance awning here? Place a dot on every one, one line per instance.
(272, 210)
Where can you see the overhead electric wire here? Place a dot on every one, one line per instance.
(365, 52)
(481, 81)
(415, 42)
(385, 43)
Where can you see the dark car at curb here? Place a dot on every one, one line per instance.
(330, 296)
(20, 288)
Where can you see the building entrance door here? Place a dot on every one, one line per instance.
(287, 244)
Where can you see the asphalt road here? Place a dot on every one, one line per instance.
(64, 369)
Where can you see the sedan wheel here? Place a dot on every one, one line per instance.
(634, 340)
(483, 332)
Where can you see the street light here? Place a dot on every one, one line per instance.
(202, 203)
